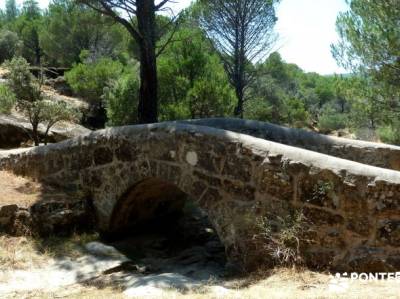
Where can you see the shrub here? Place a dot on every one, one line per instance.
(56, 111)
(281, 237)
(330, 121)
(275, 238)
(21, 81)
(210, 98)
(258, 109)
(88, 80)
(9, 45)
(30, 101)
(7, 99)
(390, 134)
(296, 114)
(121, 100)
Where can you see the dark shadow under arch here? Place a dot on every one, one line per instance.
(148, 201)
(159, 226)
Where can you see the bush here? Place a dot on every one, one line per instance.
(121, 100)
(20, 80)
(282, 237)
(9, 45)
(210, 98)
(273, 238)
(296, 114)
(30, 100)
(390, 134)
(7, 99)
(88, 80)
(258, 109)
(331, 121)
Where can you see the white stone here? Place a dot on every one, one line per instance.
(164, 281)
(100, 249)
(191, 158)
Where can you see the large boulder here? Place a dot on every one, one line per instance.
(16, 131)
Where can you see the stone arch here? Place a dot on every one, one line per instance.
(231, 175)
(146, 200)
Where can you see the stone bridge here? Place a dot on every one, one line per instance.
(131, 174)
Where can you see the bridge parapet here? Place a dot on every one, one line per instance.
(370, 153)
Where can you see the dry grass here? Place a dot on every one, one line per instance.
(3, 72)
(23, 253)
(18, 253)
(282, 284)
(18, 190)
(73, 101)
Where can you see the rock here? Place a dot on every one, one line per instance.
(15, 131)
(14, 220)
(100, 249)
(164, 281)
(62, 216)
(46, 217)
(9, 210)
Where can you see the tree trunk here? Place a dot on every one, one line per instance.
(38, 56)
(35, 134)
(148, 95)
(148, 102)
(239, 107)
(240, 61)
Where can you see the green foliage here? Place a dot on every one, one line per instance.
(191, 75)
(31, 9)
(243, 33)
(89, 79)
(30, 100)
(282, 93)
(367, 107)
(330, 120)
(121, 99)
(265, 98)
(28, 26)
(11, 10)
(7, 99)
(257, 109)
(192, 80)
(79, 28)
(369, 45)
(207, 98)
(21, 81)
(370, 39)
(55, 111)
(390, 133)
(52, 112)
(9, 45)
(296, 113)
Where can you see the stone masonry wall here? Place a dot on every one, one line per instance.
(353, 209)
(370, 153)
